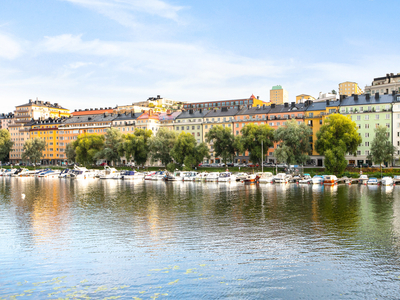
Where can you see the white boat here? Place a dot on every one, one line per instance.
(160, 175)
(132, 175)
(372, 181)
(282, 178)
(149, 175)
(110, 173)
(318, 179)
(241, 176)
(250, 178)
(18, 172)
(330, 180)
(213, 176)
(306, 179)
(49, 174)
(201, 176)
(387, 180)
(265, 177)
(82, 173)
(66, 173)
(226, 177)
(190, 176)
(363, 179)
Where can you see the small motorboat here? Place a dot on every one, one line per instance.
(132, 175)
(387, 180)
(330, 180)
(241, 176)
(190, 176)
(213, 176)
(282, 178)
(201, 176)
(265, 177)
(110, 173)
(250, 178)
(306, 179)
(363, 179)
(318, 179)
(372, 181)
(226, 177)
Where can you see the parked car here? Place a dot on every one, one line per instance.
(378, 166)
(269, 164)
(204, 165)
(282, 165)
(365, 165)
(230, 164)
(351, 165)
(252, 165)
(103, 164)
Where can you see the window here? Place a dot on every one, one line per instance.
(387, 116)
(388, 125)
(187, 127)
(366, 152)
(376, 117)
(358, 152)
(366, 126)
(366, 117)
(358, 118)
(192, 127)
(206, 126)
(366, 134)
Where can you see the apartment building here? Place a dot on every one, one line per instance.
(6, 120)
(349, 88)
(126, 122)
(384, 85)
(368, 112)
(396, 126)
(191, 121)
(303, 97)
(224, 117)
(47, 130)
(254, 101)
(92, 111)
(278, 95)
(167, 119)
(149, 120)
(23, 114)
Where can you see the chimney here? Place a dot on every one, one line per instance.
(327, 102)
(355, 97)
(293, 104)
(376, 95)
(201, 110)
(150, 112)
(258, 97)
(394, 93)
(367, 97)
(273, 105)
(158, 97)
(168, 111)
(286, 104)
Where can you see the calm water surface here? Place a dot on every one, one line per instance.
(146, 240)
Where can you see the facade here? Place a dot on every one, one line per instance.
(303, 98)
(33, 110)
(159, 104)
(278, 95)
(368, 111)
(126, 122)
(384, 85)
(191, 121)
(349, 88)
(224, 117)
(148, 120)
(72, 127)
(6, 120)
(167, 119)
(322, 97)
(396, 127)
(48, 131)
(254, 101)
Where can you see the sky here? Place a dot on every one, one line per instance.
(103, 53)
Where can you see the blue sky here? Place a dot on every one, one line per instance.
(98, 53)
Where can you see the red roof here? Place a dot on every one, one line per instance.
(252, 96)
(92, 112)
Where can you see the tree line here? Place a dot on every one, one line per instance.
(336, 137)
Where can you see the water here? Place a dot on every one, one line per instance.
(148, 240)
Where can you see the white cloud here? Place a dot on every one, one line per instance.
(123, 11)
(9, 48)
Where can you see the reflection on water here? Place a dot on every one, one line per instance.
(109, 238)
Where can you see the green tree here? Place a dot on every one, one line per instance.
(187, 152)
(222, 140)
(5, 144)
(161, 145)
(334, 92)
(293, 142)
(113, 138)
(338, 134)
(87, 146)
(33, 149)
(252, 136)
(381, 150)
(136, 146)
(70, 152)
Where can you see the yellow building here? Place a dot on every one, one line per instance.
(47, 130)
(23, 114)
(349, 88)
(303, 97)
(278, 95)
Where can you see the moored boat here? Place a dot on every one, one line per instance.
(226, 177)
(387, 180)
(213, 176)
(318, 179)
(265, 177)
(306, 179)
(282, 178)
(201, 176)
(330, 180)
(372, 181)
(363, 179)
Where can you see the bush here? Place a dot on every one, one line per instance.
(171, 167)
